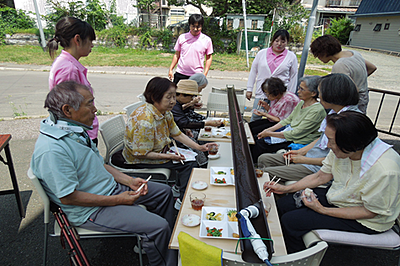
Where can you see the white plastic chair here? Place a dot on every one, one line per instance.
(141, 97)
(83, 233)
(132, 107)
(389, 240)
(309, 257)
(112, 132)
(218, 102)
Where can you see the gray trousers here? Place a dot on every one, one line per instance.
(154, 225)
(275, 166)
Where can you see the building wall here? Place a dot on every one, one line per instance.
(384, 39)
(125, 8)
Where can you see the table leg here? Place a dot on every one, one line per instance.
(14, 181)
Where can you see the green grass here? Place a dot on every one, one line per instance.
(103, 56)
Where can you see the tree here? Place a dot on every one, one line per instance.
(147, 5)
(340, 29)
(223, 7)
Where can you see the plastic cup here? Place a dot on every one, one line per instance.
(197, 200)
(267, 208)
(213, 148)
(259, 169)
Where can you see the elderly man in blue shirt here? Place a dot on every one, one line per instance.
(94, 195)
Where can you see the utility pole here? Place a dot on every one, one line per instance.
(245, 32)
(39, 22)
(307, 42)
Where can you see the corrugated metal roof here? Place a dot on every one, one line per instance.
(375, 7)
(337, 10)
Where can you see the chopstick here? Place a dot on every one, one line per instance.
(279, 179)
(176, 147)
(140, 188)
(287, 160)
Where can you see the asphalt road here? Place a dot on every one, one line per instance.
(23, 90)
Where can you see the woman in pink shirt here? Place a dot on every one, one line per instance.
(282, 103)
(274, 61)
(76, 37)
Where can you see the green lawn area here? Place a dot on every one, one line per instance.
(103, 56)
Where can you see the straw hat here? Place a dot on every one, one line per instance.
(186, 86)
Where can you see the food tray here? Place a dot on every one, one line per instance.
(228, 228)
(221, 132)
(216, 172)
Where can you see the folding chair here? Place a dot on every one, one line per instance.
(83, 233)
(132, 107)
(112, 132)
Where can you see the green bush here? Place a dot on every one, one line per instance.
(297, 34)
(340, 29)
(118, 35)
(217, 34)
(11, 20)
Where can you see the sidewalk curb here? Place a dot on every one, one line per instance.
(112, 72)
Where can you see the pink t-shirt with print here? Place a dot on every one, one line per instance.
(66, 68)
(193, 50)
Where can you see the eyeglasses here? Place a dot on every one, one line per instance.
(301, 89)
(198, 27)
(187, 95)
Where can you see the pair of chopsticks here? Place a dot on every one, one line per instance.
(279, 179)
(287, 160)
(177, 150)
(140, 188)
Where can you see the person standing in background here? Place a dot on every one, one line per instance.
(191, 48)
(274, 61)
(328, 48)
(76, 37)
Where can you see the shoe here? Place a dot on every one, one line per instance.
(175, 191)
(178, 204)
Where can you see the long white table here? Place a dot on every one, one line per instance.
(223, 196)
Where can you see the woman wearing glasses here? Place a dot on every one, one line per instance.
(300, 127)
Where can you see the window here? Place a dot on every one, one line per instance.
(387, 25)
(254, 24)
(357, 27)
(229, 25)
(377, 27)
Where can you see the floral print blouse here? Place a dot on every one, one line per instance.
(147, 130)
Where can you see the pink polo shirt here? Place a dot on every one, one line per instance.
(65, 67)
(193, 50)
(275, 60)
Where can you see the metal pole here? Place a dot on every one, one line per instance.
(245, 31)
(310, 29)
(272, 26)
(39, 22)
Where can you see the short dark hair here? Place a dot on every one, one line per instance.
(156, 88)
(66, 29)
(311, 83)
(284, 34)
(64, 93)
(326, 45)
(274, 86)
(338, 89)
(196, 18)
(354, 130)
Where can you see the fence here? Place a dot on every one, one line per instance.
(391, 106)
